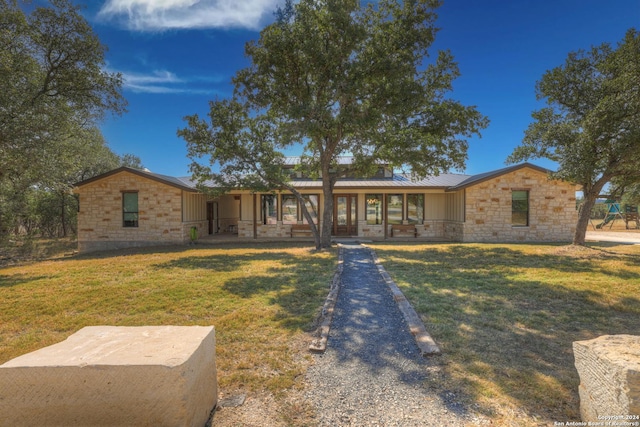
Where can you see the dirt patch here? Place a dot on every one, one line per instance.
(576, 251)
(263, 408)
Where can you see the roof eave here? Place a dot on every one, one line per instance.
(138, 172)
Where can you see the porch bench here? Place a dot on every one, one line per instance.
(301, 230)
(404, 230)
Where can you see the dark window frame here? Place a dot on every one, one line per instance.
(130, 218)
(379, 212)
(420, 208)
(520, 207)
(390, 218)
(263, 212)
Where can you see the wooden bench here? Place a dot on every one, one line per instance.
(301, 230)
(404, 230)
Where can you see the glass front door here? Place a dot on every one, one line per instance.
(345, 219)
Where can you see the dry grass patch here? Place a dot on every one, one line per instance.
(505, 317)
(261, 300)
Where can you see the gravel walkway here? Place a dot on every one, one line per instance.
(372, 373)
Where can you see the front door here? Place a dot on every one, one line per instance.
(345, 220)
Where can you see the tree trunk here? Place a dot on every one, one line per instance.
(590, 196)
(327, 212)
(307, 215)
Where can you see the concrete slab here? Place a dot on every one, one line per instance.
(107, 375)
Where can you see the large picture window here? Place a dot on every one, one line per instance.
(311, 201)
(129, 209)
(289, 209)
(395, 206)
(269, 203)
(415, 208)
(520, 208)
(374, 208)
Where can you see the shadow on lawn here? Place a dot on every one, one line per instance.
(509, 318)
(7, 281)
(296, 284)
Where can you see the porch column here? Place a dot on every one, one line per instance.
(255, 216)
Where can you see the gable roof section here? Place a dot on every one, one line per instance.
(181, 183)
(477, 179)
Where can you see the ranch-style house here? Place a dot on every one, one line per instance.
(128, 207)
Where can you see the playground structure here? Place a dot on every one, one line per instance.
(613, 212)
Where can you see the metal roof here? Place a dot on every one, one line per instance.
(477, 179)
(446, 181)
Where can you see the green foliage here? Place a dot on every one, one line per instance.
(591, 125)
(338, 78)
(53, 91)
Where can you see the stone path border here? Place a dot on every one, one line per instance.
(425, 342)
(319, 345)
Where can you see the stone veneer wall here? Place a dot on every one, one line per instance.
(160, 214)
(552, 209)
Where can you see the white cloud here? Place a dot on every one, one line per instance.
(162, 81)
(158, 15)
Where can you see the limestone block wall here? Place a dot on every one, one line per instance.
(279, 230)
(371, 231)
(552, 209)
(245, 228)
(100, 222)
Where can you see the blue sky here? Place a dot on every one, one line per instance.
(176, 55)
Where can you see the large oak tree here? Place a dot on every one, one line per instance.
(338, 78)
(54, 89)
(591, 125)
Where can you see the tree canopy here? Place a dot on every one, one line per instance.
(337, 78)
(591, 125)
(54, 89)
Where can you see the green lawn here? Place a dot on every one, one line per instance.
(261, 300)
(505, 317)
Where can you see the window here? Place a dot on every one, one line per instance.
(394, 208)
(415, 208)
(289, 209)
(130, 209)
(374, 208)
(269, 203)
(312, 204)
(520, 208)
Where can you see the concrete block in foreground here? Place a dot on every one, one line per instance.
(115, 376)
(609, 370)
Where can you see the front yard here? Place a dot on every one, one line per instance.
(505, 317)
(261, 300)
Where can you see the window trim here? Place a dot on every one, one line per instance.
(263, 214)
(421, 221)
(297, 206)
(380, 212)
(318, 212)
(402, 208)
(134, 223)
(528, 207)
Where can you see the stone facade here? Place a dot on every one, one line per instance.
(100, 219)
(552, 213)
(463, 208)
